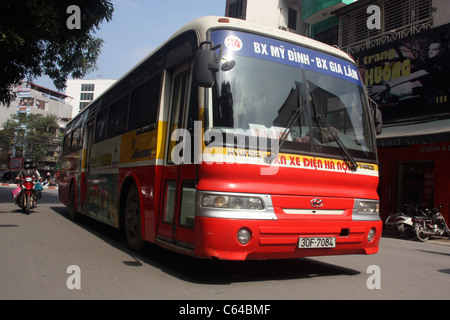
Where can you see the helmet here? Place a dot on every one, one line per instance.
(28, 164)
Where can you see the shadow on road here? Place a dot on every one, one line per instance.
(435, 252)
(205, 271)
(47, 196)
(8, 205)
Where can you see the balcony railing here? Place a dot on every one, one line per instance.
(398, 19)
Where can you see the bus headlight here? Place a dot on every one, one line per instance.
(231, 202)
(366, 210)
(366, 207)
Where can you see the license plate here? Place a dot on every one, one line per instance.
(317, 242)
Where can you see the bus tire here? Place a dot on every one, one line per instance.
(72, 204)
(132, 219)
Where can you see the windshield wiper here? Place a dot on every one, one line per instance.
(350, 160)
(297, 114)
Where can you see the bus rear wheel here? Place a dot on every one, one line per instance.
(133, 219)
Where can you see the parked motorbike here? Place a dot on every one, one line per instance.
(25, 194)
(414, 222)
(402, 222)
(431, 225)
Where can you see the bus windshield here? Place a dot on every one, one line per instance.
(257, 96)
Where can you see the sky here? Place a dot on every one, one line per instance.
(137, 28)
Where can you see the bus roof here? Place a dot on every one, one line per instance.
(203, 24)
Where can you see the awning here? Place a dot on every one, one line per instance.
(405, 134)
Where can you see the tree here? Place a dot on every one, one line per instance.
(39, 37)
(34, 136)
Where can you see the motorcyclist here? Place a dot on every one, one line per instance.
(29, 170)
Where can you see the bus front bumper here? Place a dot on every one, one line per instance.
(238, 239)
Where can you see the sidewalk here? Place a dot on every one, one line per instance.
(438, 240)
(443, 241)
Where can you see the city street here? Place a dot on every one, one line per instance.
(44, 255)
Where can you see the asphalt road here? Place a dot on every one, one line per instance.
(46, 256)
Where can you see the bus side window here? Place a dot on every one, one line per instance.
(77, 140)
(145, 103)
(66, 144)
(100, 129)
(118, 115)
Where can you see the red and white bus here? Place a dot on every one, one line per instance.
(231, 141)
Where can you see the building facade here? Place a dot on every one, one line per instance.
(83, 91)
(32, 98)
(310, 18)
(35, 99)
(278, 14)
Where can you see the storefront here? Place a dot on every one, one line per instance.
(410, 80)
(412, 170)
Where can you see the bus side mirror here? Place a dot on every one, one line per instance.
(377, 117)
(207, 65)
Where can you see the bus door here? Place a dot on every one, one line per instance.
(176, 219)
(86, 165)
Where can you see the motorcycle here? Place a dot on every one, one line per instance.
(431, 225)
(402, 222)
(25, 195)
